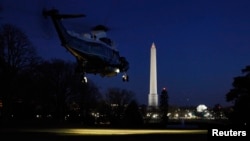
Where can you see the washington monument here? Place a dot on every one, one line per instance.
(153, 96)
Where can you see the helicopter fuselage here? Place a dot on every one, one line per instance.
(94, 52)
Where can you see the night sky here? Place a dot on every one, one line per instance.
(201, 44)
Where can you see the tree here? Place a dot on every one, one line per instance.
(16, 49)
(164, 106)
(90, 97)
(118, 99)
(132, 116)
(119, 96)
(217, 109)
(239, 95)
(16, 54)
(56, 79)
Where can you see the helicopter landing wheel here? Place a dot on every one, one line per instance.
(84, 79)
(125, 78)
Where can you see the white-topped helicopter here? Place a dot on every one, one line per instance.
(95, 52)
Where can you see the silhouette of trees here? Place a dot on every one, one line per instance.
(218, 111)
(240, 97)
(16, 55)
(133, 118)
(54, 78)
(61, 93)
(31, 86)
(118, 99)
(89, 97)
(16, 49)
(164, 106)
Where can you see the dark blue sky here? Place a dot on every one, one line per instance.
(201, 44)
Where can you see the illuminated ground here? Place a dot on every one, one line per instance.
(103, 134)
(79, 131)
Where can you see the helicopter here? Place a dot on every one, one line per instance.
(95, 53)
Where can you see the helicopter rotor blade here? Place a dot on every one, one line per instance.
(55, 13)
(100, 27)
(1, 9)
(66, 16)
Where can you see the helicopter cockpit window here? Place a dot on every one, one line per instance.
(93, 36)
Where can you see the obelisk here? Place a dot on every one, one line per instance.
(153, 96)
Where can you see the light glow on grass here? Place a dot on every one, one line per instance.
(80, 131)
